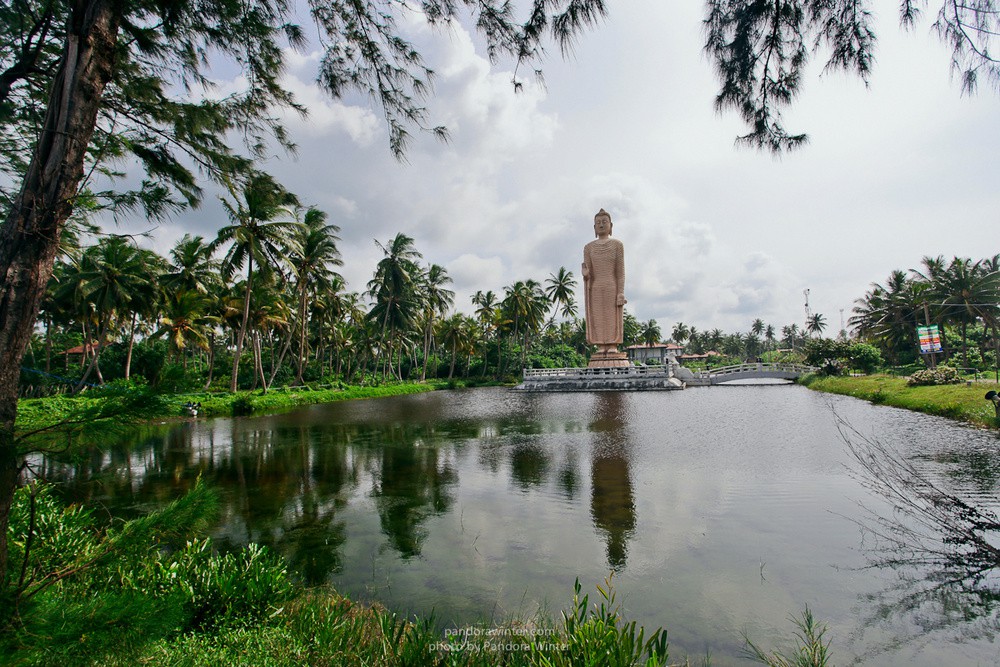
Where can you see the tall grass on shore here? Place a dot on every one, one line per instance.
(954, 401)
(150, 591)
(60, 411)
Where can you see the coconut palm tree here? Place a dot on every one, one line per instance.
(394, 289)
(191, 266)
(486, 310)
(457, 334)
(680, 333)
(651, 333)
(715, 338)
(559, 289)
(889, 314)
(256, 239)
(436, 300)
(816, 324)
(965, 292)
(312, 260)
(186, 319)
(790, 332)
(525, 305)
(114, 278)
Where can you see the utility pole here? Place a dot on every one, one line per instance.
(805, 293)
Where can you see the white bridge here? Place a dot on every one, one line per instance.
(774, 371)
(652, 378)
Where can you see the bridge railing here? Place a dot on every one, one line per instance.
(773, 367)
(642, 371)
(646, 371)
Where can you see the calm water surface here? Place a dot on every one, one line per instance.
(720, 510)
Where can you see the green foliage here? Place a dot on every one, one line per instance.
(930, 377)
(109, 410)
(810, 649)
(836, 357)
(80, 590)
(600, 636)
(828, 354)
(784, 357)
(631, 329)
(558, 355)
(134, 594)
(864, 357)
(959, 402)
(239, 588)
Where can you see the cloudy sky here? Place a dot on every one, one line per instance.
(714, 235)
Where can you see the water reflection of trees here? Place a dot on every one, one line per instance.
(282, 485)
(943, 549)
(412, 484)
(288, 484)
(612, 505)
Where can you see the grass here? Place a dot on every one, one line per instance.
(148, 592)
(955, 401)
(39, 413)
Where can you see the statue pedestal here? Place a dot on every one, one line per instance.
(608, 359)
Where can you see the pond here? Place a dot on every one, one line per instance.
(719, 510)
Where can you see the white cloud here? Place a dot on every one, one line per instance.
(715, 236)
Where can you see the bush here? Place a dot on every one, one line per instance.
(242, 405)
(80, 592)
(866, 358)
(935, 376)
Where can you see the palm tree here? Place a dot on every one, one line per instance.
(186, 319)
(680, 333)
(269, 313)
(651, 333)
(559, 289)
(191, 266)
(715, 338)
(114, 278)
(769, 336)
(816, 324)
(437, 300)
(393, 288)
(457, 334)
(315, 253)
(757, 328)
(256, 239)
(888, 315)
(966, 292)
(791, 334)
(486, 310)
(525, 305)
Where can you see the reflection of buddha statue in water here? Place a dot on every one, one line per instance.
(604, 292)
(612, 505)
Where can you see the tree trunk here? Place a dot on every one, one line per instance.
(48, 343)
(131, 342)
(211, 360)
(243, 325)
(29, 236)
(95, 361)
(427, 347)
(303, 297)
(259, 351)
(276, 366)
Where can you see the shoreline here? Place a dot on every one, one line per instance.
(958, 402)
(48, 412)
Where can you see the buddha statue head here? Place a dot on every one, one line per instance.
(602, 222)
